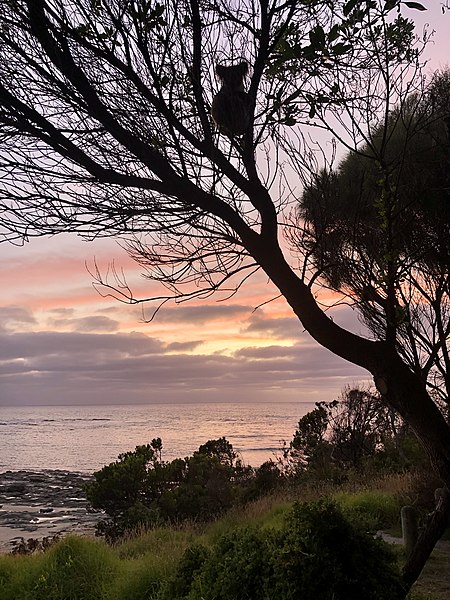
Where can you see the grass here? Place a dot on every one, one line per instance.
(88, 569)
(75, 568)
(373, 509)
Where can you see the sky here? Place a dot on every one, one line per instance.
(63, 343)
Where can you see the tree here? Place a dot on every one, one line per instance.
(344, 433)
(390, 255)
(309, 448)
(104, 106)
(220, 449)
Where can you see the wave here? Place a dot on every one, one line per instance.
(71, 419)
(22, 423)
(25, 423)
(262, 449)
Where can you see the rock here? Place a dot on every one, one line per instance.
(43, 502)
(16, 488)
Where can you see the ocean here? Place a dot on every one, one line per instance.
(84, 438)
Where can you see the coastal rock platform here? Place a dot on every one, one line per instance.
(38, 504)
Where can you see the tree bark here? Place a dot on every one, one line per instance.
(432, 532)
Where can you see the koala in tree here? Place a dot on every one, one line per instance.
(229, 109)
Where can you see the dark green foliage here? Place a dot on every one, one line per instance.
(267, 478)
(317, 554)
(220, 449)
(332, 559)
(378, 231)
(140, 489)
(128, 490)
(121, 484)
(358, 432)
(310, 434)
(190, 565)
(398, 181)
(309, 448)
(361, 425)
(239, 566)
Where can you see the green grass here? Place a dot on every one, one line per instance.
(374, 509)
(74, 569)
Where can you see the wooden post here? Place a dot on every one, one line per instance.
(409, 528)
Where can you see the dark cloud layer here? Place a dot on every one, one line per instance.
(11, 316)
(286, 328)
(88, 324)
(93, 368)
(203, 313)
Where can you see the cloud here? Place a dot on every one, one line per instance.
(89, 356)
(77, 368)
(62, 312)
(306, 360)
(88, 324)
(55, 344)
(13, 316)
(282, 328)
(202, 313)
(184, 346)
(268, 352)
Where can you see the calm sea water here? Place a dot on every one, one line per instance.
(84, 438)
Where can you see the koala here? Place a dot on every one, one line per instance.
(230, 110)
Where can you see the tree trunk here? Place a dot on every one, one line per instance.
(435, 527)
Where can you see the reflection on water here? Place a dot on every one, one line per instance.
(84, 438)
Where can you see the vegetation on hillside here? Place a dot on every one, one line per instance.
(186, 562)
(150, 563)
(141, 489)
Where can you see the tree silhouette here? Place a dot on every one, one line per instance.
(106, 130)
(379, 231)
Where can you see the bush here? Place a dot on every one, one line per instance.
(189, 567)
(329, 557)
(140, 489)
(317, 554)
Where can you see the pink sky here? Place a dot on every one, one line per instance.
(62, 343)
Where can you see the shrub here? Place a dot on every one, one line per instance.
(329, 557)
(317, 554)
(179, 586)
(357, 433)
(140, 489)
(265, 479)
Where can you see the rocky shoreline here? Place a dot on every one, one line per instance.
(38, 504)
